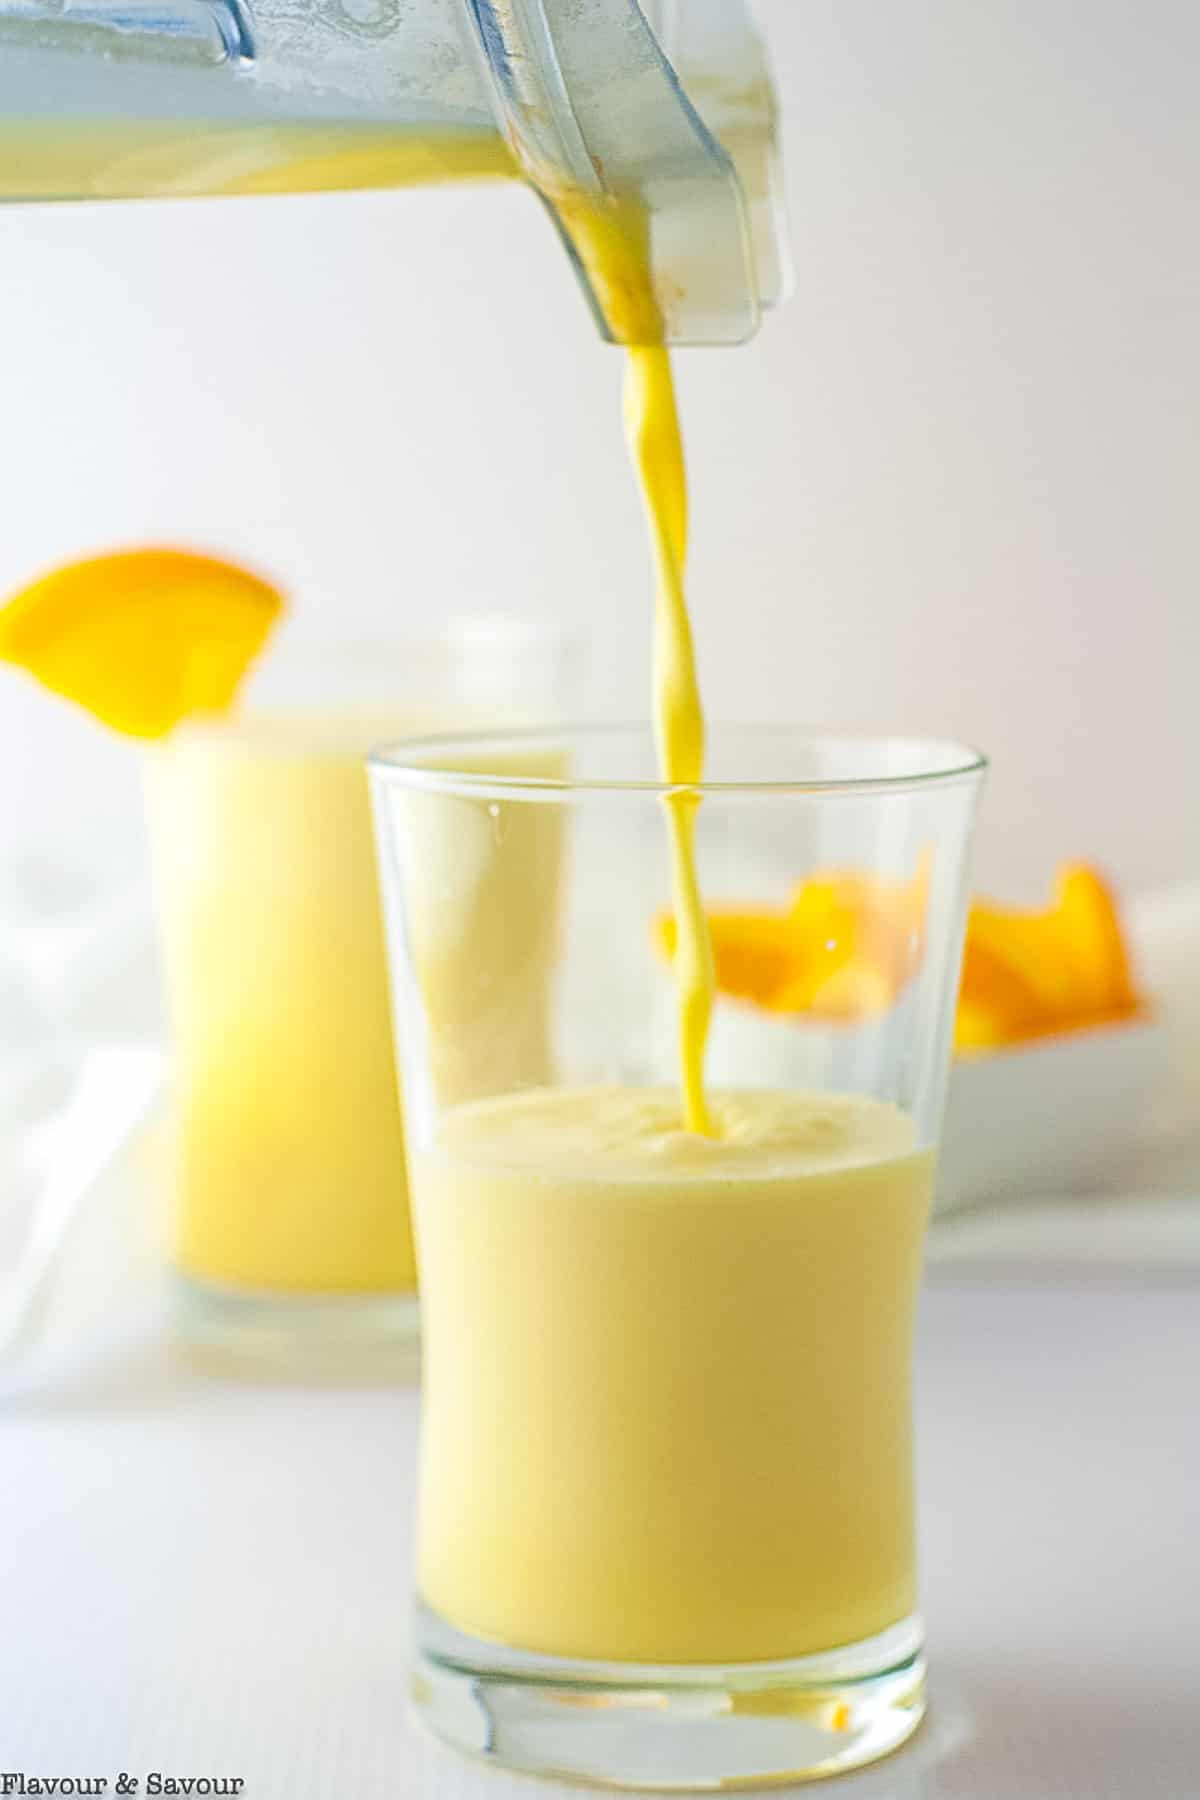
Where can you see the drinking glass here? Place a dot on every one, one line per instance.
(665, 1531)
(292, 1234)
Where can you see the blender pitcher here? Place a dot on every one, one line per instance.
(646, 123)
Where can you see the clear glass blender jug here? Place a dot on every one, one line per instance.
(660, 116)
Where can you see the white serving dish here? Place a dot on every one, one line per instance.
(1055, 1116)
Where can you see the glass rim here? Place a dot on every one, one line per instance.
(937, 762)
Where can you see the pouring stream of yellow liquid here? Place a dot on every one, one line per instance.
(656, 445)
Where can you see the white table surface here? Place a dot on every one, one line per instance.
(209, 1578)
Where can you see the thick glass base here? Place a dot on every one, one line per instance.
(671, 1729)
(340, 1337)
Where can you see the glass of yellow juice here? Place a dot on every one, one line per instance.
(291, 1232)
(665, 1533)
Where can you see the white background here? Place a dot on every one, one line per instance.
(954, 486)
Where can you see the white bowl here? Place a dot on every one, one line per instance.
(1055, 1116)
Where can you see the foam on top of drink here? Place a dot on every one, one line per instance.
(638, 1134)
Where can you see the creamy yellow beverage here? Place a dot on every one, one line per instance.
(290, 1156)
(667, 1403)
(291, 1171)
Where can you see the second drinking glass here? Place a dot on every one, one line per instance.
(291, 1226)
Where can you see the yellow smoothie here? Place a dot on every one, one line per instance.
(291, 1169)
(667, 1376)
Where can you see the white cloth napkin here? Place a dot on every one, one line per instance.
(78, 971)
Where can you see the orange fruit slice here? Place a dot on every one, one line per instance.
(1091, 923)
(996, 1004)
(141, 638)
(1021, 954)
(846, 994)
(842, 950)
(1030, 974)
(849, 943)
(872, 921)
